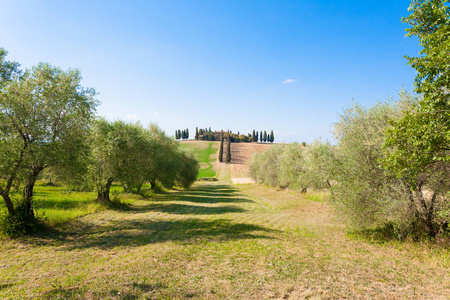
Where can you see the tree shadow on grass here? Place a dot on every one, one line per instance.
(211, 193)
(135, 233)
(182, 209)
(134, 228)
(6, 285)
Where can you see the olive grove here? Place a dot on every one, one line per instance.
(48, 123)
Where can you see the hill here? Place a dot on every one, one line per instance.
(240, 154)
(207, 152)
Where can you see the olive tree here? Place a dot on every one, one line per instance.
(119, 151)
(187, 169)
(264, 167)
(44, 116)
(291, 166)
(365, 196)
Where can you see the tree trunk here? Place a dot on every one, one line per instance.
(427, 211)
(103, 193)
(5, 192)
(28, 191)
(8, 202)
(153, 184)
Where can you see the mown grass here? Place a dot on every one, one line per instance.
(58, 204)
(206, 152)
(218, 241)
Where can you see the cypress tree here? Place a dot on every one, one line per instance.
(228, 149)
(179, 134)
(272, 138)
(187, 133)
(265, 136)
(221, 147)
(260, 136)
(253, 135)
(196, 133)
(256, 136)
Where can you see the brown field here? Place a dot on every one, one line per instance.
(240, 154)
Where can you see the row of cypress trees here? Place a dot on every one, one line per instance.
(228, 157)
(263, 137)
(182, 134)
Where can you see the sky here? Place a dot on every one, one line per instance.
(287, 66)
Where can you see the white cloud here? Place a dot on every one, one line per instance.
(132, 117)
(289, 81)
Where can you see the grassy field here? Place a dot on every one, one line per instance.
(218, 241)
(58, 204)
(207, 154)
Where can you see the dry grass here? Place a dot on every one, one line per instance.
(218, 241)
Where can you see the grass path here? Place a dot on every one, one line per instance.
(218, 241)
(206, 152)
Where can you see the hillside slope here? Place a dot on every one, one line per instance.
(240, 154)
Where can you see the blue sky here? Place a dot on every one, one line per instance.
(287, 66)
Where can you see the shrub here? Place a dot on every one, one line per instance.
(20, 223)
(365, 196)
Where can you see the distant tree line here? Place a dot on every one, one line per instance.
(208, 135)
(182, 134)
(260, 137)
(48, 125)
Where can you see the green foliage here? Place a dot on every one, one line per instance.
(368, 196)
(364, 195)
(221, 148)
(20, 223)
(44, 117)
(290, 165)
(130, 154)
(187, 170)
(418, 143)
(8, 70)
(228, 157)
(264, 167)
(422, 136)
